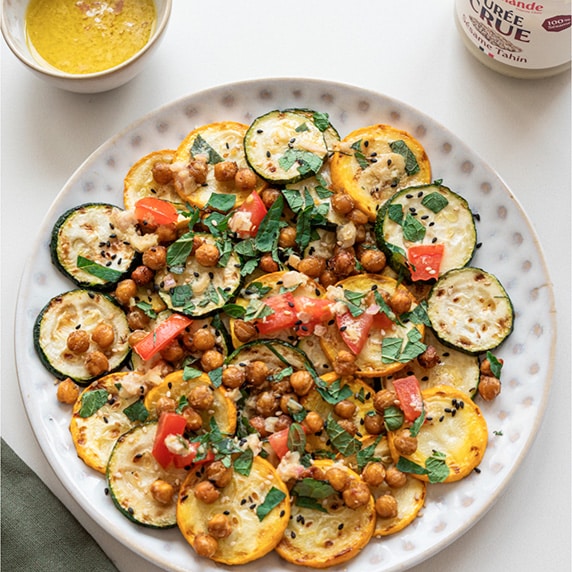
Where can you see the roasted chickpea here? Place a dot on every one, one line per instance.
(328, 278)
(142, 275)
(206, 492)
(244, 331)
(301, 382)
(312, 266)
(233, 376)
(211, 359)
(386, 506)
(489, 387)
(193, 418)
(245, 180)
(343, 263)
(338, 478)
(155, 257)
(395, 478)
(268, 264)
(400, 301)
(314, 472)
(358, 217)
(198, 169)
(313, 422)
(219, 526)
(269, 196)
(373, 474)
(345, 409)
(201, 397)
(257, 372)
(287, 237)
(218, 474)
(165, 403)
(286, 399)
(485, 366)
(207, 255)
(373, 423)
(283, 422)
(429, 358)
(125, 290)
(205, 545)
(78, 341)
(342, 203)
(373, 260)
(136, 336)
(259, 424)
(225, 171)
(166, 233)
(162, 491)
(96, 363)
(267, 404)
(383, 399)
(204, 340)
(348, 426)
(162, 173)
(405, 443)
(345, 363)
(357, 494)
(103, 335)
(67, 392)
(147, 224)
(137, 319)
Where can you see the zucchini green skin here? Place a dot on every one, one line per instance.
(86, 230)
(453, 226)
(470, 310)
(131, 470)
(179, 290)
(54, 324)
(273, 137)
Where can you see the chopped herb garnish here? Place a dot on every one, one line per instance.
(201, 147)
(341, 440)
(411, 165)
(221, 202)
(272, 500)
(95, 269)
(136, 411)
(92, 401)
(434, 202)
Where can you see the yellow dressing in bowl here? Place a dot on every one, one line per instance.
(84, 36)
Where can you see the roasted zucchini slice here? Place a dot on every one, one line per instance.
(311, 346)
(86, 247)
(470, 310)
(372, 360)
(454, 368)
(218, 142)
(427, 216)
(197, 290)
(454, 432)
(140, 182)
(372, 163)
(80, 312)
(256, 506)
(176, 387)
(133, 476)
(328, 536)
(285, 146)
(101, 414)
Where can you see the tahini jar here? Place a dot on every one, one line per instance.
(517, 38)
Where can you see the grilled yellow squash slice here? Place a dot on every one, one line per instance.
(256, 506)
(175, 387)
(374, 162)
(319, 539)
(99, 417)
(218, 142)
(454, 430)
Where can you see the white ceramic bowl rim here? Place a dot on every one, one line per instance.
(30, 61)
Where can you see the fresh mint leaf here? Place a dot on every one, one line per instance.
(181, 295)
(98, 270)
(308, 163)
(234, 310)
(341, 440)
(92, 401)
(136, 411)
(393, 418)
(359, 156)
(437, 469)
(306, 502)
(269, 228)
(334, 392)
(201, 147)
(367, 455)
(302, 127)
(243, 463)
(418, 423)
(418, 315)
(191, 373)
(495, 364)
(312, 488)
(413, 229)
(182, 403)
(179, 251)
(400, 147)
(221, 202)
(215, 375)
(434, 201)
(272, 500)
(321, 120)
(296, 438)
(395, 213)
(147, 309)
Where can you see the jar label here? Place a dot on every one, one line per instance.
(530, 35)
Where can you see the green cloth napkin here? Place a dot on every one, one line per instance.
(38, 532)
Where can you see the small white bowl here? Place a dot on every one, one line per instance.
(13, 30)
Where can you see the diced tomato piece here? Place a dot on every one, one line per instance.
(161, 212)
(279, 442)
(425, 260)
(182, 461)
(161, 336)
(382, 322)
(283, 314)
(409, 395)
(354, 329)
(251, 212)
(311, 311)
(170, 423)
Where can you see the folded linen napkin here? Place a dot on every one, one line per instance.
(38, 532)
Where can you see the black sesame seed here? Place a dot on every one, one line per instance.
(106, 491)
(340, 526)
(130, 511)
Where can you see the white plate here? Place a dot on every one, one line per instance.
(510, 250)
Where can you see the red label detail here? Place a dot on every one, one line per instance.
(557, 23)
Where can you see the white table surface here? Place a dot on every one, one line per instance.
(408, 50)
